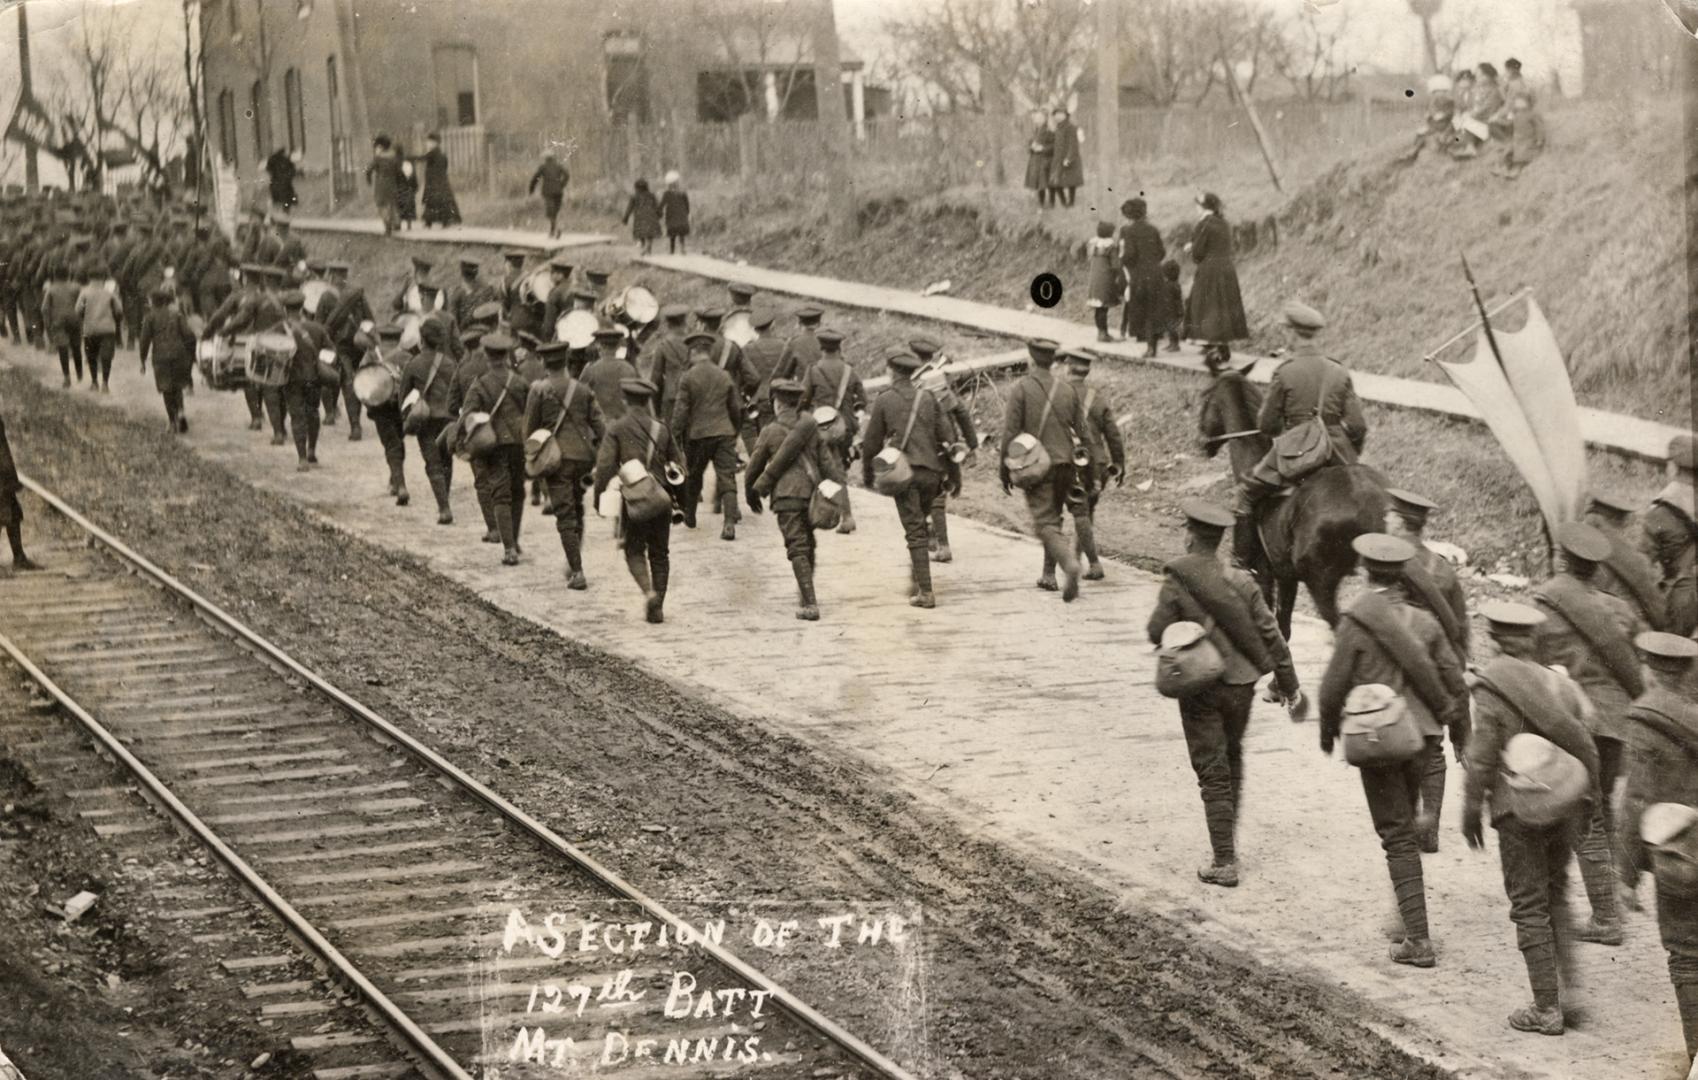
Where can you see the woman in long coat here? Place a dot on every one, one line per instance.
(406, 189)
(439, 205)
(1067, 167)
(1214, 313)
(1142, 252)
(1040, 149)
(384, 175)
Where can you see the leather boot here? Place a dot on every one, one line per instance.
(1245, 542)
(1598, 875)
(638, 565)
(1087, 542)
(940, 533)
(847, 525)
(657, 606)
(808, 611)
(728, 508)
(572, 542)
(504, 527)
(1432, 802)
(920, 561)
(1686, 997)
(439, 488)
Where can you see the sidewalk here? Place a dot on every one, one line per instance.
(458, 234)
(1610, 431)
(1033, 721)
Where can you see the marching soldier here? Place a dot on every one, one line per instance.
(1308, 387)
(1662, 791)
(430, 374)
(704, 421)
(1590, 633)
(467, 294)
(803, 348)
(167, 339)
(1670, 530)
(1434, 588)
(1227, 600)
(504, 396)
(789, 461)
(669, 358)
(727, 354)
(595, 281)
(523, 312)
(910, 420)
(1626, 573)
(761, 357)
(408, 299)
(1513, 694)
(559, 295)
(638, 436)
(607, 373)
(1230, 405)
(351, 312)
(831, 381)
(960, 420)
(386, 418)
(567, 409)
(1108, 459)
(742, 296)
(476, 364)
(300, 388)
(250, 309)
(1384, 640)
(1047, 409)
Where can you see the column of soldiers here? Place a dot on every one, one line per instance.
(1580, 702)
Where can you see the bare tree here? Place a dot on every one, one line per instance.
(1426, 11)
(995, 55)
(1160, 48)
(1237, 32)
(1309, 55)
(756, 39)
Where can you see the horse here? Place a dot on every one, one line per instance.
(1305, 534)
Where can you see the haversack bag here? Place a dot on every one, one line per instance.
(415, 410)
(478, 428)
(1302, 450)
(542, 448)
(892, 471)
(1670, 831)
(1028, 460)
(825, 507)
(645, 498)
(1540, 783)
(1188, 661)
(1378, 728)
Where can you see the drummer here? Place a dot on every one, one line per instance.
(559, 300)
(595, 281)
(469, 292)
(248, 309)
(430, 375)
(407, 300)
(384, 406)
(605, 374)
(476, 363)
(726, 354)
(761, 356)
(523, 311)
(300, 387)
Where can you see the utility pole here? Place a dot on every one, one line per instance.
(833, 122)
(1108, 103)
(1689, 190)
(26, 93)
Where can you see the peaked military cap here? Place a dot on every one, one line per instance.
(598, 277)
(1508, 618)
(388, 330)
(513, 255)
(1041, 348)
(1412, 507)
(1615, 505)
(1581, 541)
(710, 314)
(741, 294)
(294, 298)
(674, 313)
(1671, 652)
(1303, 318)
(1078, 357)
(554, 352)
(488, 311)
(699, 340)
(468, 263)
(830, 340)
(640, 387)
(761, 320)
(786, 386)
(809, 315)
(563, 266)
(924, 348)
(497, 342)
(421, 264)
(1379, 549)
(1206, 516)
(902, 360)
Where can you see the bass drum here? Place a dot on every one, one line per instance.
(636, 305)
(375, 384)
(538, 284)
(577, 329)
(272, 352)
(738, 329)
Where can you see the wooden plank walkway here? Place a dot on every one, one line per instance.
(1033, 722)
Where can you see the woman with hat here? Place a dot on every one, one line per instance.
(788, 463)
(638, 436)
(1514, 695)
(1660, 805)
(1214, 312)
(1383, 640)
(383, 173)
(1067, 166)
(1141, 255)
(1040, 152)
(440, 207)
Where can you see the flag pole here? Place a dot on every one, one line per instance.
(1480, 306)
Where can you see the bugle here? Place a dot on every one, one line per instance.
(1081, 455)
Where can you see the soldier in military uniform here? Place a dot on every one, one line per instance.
(1048, 409)
(607, 372)
(386, 418)
(639, 435)
(1108, 459)
(1386, 641)
(595, 281)
(504, 396)
(1309, 387)
(962, 433)
(1228, 602)
(250, 309)
(1662, 792)
(669, 358)
(290, 251)
(523, 312)
(911, 420)
(430, 375)
(352, 310)
(803, 348)
(1670, 529)
(1626, 573)
(742, 296)
(1514, 694)
(833, 381)
(300, 390)
(704, 421)
(559, 296)
(1590, 633)
(476, 364)
(465, 295)
(727, 354)
(406, 299)
(565, 407)
(761, 357)
(1434, 588)
(786, 466)
(11, 511)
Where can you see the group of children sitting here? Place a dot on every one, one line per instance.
(1474, 109)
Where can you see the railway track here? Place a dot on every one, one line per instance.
(419, 892)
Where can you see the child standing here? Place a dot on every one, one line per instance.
(1173, 303)
(1107, 280)
(675, 211)
(1526, 138)
(643, 212)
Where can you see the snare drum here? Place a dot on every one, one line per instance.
(269, 365)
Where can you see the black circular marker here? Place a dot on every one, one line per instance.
(1046, 290)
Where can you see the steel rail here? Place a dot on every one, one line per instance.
(417, 1041)
(801, 1010)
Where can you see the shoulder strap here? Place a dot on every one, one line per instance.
(913, 415)
(1049, 407)
(724, 354)
(1090, 398)
(506, 385)
(842, 387)
(654, 442)
(1617, 655)
(1375, 615)
(565, 406)
(430, 380)
(1665, 725)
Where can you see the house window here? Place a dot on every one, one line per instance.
(256, 112)
(456, 85)
(227, 126)
(627, 78)
(293, 107)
